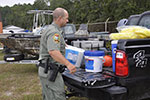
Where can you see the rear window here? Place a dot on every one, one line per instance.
(145, 21)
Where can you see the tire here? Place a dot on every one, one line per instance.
(13, 57)
(6, 50)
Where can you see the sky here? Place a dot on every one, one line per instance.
(12, 2)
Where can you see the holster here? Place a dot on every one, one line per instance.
(53, 68)
(53, 72)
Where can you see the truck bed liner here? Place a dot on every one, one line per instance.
(88, 79)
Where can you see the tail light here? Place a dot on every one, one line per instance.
(121, 64)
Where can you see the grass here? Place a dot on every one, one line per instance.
(21, 82)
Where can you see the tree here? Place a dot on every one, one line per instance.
(80, 11)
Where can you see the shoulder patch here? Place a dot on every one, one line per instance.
(56, 38)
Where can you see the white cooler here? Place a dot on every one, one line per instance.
(74, 55)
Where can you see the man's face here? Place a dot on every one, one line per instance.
(64, 20)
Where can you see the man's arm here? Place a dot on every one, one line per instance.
(57, 56)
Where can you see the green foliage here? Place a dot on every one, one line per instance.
(80, 11)
(39, 5)
(17, 15)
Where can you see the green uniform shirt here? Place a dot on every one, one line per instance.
(51, 39)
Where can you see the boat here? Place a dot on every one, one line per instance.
(25, 45)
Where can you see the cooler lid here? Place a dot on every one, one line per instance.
(94, 53)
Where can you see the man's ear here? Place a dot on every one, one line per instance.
(59, 18)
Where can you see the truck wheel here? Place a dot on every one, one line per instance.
(13, 57)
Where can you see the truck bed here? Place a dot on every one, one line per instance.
(88, 79)
(88, 84)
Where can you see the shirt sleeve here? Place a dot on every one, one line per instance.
(53, 41)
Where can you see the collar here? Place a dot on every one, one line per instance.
(57, 27)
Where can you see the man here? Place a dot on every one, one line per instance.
(52, 46)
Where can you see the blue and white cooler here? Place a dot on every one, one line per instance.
(94, 61)
(74, 55)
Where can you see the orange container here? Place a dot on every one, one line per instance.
(108, 61)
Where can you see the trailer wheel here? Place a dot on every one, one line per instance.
(13, 57)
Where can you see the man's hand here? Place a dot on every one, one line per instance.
(71, 68)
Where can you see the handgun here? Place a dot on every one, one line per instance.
(46, 65)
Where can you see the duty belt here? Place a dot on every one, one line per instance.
(53, 68)
(61, 67)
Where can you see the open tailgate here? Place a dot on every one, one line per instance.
(87, 83)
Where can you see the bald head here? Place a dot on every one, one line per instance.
(59, 12)
(60, 17)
